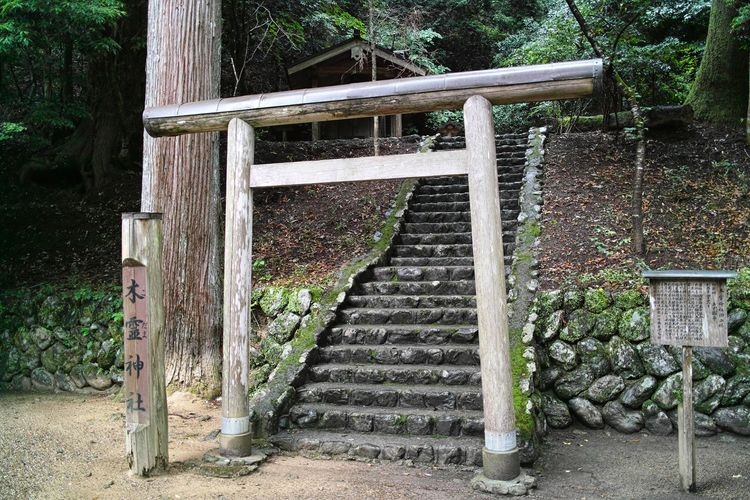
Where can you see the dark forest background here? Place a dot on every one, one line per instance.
(72, 72)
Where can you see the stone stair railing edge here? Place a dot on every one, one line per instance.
(523, 281)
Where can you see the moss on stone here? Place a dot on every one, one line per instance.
(580, 324)
(739, 289)
(273, 301)
(635, 324)
(519, 370)
(607, 323)
(597, 300)
(572, 299)
(548, 302)
(529, 232)
(629, 299)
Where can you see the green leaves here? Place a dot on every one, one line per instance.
(45, 47)
(655, 45)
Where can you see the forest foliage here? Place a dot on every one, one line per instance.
(49, 51)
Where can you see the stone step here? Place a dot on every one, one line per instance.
(518, 154)
(438, 450)
(434, 261)
(457, 206)
(512, 139)
(441, 261)
(435, 239)
(454, 397)
(412, 301)
(454, 188)
(464, 287)
(504, 176)
(401, 354)
(423, 273)
(456, 197)
(463, 188)
(402, 334)
(438, 316)
(441, 250)
(396, 374)
(449, 227)
(432, 250)
(505, 164)
(446, 238)
(505, 214)
(459, 180)
(401, 421)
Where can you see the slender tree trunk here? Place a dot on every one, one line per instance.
(720, 90)
(375, 119)
(639, 245)
(747, 117)
(66, 95)
(181, 179)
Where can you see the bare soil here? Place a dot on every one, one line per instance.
(696, 205)
(61, 446)
(51, 232)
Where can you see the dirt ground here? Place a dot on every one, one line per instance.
(71, 446)
(696, 205)
(54, 234)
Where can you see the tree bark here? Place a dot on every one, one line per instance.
(639, 245)
(720, 90)
(374, 64)
(181, 179)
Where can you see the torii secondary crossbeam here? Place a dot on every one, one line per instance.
(476, 92)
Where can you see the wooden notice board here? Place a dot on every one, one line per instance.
(689, 307)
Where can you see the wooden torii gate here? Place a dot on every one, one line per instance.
(476, 91)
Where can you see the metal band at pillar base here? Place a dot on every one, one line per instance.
(235, 437)
(235, 425)
(501, 465)
(235, 445)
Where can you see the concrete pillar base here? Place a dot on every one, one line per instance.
(501, 465)
(235, 445)
(517, 486)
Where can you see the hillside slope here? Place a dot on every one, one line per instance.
(697, 213)
(696, 205)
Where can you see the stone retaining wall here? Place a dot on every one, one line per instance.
(69, 341)
(72, 341)
(599, 367)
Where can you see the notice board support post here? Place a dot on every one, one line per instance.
(686, 423)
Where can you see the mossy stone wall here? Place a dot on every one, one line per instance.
(599, 367)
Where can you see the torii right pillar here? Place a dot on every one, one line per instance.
(500, 454)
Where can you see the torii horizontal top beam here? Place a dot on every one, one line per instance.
(568, 80)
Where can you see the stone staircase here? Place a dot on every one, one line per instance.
(398, 377)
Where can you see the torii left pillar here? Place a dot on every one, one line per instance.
(235, 437)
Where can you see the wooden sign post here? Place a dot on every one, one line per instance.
(688, 308)
(143, 316)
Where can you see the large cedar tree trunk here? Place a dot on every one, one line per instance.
(720, 90)
(181, 180)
